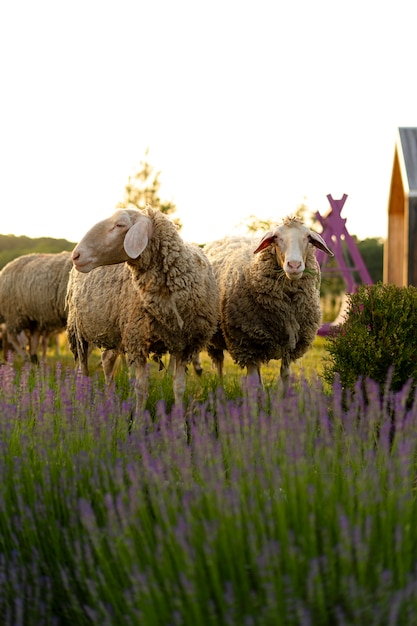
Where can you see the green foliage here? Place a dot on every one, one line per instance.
(377, 338)
(256, 226)
(332, 282)
(143, 187)
(372, 253)
(11, 246)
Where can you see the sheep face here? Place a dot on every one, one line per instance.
(119, 238)
(291, 241)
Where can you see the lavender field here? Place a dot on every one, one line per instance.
(255, 510)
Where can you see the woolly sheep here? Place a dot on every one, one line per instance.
(269, 297)
(160, 297)
(32, 298)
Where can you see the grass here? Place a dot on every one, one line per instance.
(250, 509)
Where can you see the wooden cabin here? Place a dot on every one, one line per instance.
(400, 253)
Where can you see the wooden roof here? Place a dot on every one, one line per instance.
(407, 155)
(400, 254)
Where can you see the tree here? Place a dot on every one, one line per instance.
(372, 252)
(143, 187)
(255, 226)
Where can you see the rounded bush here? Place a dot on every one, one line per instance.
(379, 336)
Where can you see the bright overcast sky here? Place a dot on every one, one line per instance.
(246, 108)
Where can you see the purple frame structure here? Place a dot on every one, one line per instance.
(336, 236)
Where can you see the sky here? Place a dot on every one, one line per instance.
(246, 108)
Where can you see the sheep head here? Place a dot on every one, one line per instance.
(119, 238)
(291, 241)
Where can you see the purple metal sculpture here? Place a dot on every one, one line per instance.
(336, 236)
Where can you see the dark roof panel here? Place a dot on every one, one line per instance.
(408, 137)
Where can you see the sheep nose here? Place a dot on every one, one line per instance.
(75, 256)
(294, 265)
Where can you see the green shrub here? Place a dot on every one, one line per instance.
(378, 337)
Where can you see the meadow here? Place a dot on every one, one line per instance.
(248, 509)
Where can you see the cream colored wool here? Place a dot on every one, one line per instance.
(32, 297)
(166, 300)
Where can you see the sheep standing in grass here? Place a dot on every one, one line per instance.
(32, 298)
(269, 297)
(161, 297)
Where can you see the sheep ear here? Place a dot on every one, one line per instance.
(137, 237)
(265, 241)
(316, 240)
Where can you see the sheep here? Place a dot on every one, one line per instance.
(137, 287)
(269, 297)
(32, 298)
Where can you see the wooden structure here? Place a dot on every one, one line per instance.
(400, 252)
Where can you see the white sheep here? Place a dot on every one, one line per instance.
(269, 297)
(137, 287)
(32, 298)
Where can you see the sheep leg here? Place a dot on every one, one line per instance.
(217, 358)
(79, 348)
(171, 365)
(3, 340)
(219, 366)
(179, 382)
(254, 373)
(285, 370)
(57, 345)
(43, 343)
(82, 355)
(34, 338)
(17, 346)
(142, 379)
(108, 359)
(197, 363)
